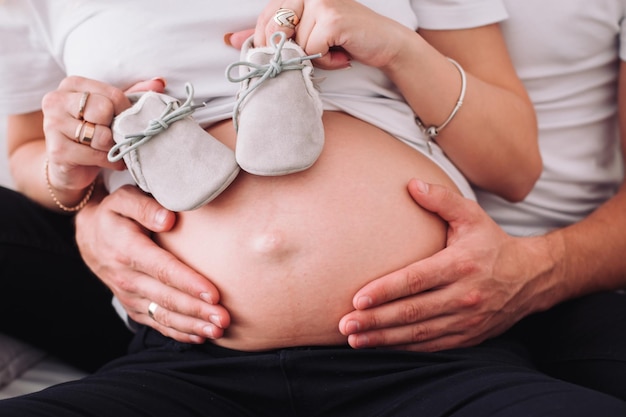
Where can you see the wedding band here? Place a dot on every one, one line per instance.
(152, 308)
(82, 104)
(286, 18)
(78, 131)
(87, 133)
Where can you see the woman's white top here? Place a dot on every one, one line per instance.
(121, 42)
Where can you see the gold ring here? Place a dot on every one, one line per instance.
(82, 104)
(79, 129)
(286, 18)
(152, 308)
(87, 133)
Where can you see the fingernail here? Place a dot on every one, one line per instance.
(161, 80)
(363, 302)
(352, 327)
(227, 39)
(208, 331)
(215, 319)
(422, 187)
(206, 297)
(361, 341)
(160, 217)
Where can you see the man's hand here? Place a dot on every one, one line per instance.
(482, 283)
(113, 237)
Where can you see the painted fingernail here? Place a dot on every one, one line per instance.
(227, 37)
(161, 80)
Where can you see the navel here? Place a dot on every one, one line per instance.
(272, 244)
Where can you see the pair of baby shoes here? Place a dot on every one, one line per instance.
(277, 116)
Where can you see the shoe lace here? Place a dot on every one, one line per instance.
(272, 69)
(170, 114)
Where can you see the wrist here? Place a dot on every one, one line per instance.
(65, 202)
(549, 270)
(409, 53)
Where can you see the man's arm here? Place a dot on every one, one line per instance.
(485, 280)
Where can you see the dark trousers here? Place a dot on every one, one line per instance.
(48, 296)
(166, 378)
(582, 341)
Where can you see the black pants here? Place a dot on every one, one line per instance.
(166, 378)
(48, 296)
(582, 341)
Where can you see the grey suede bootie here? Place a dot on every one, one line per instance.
(278, 114)
(169, 155)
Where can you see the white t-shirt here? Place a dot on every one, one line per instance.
(43, 41)
(567, 53)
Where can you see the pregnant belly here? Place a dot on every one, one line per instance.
(288, 253)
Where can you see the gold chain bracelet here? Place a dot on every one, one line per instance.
(62, 206)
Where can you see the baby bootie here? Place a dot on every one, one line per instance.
(278, 114)
(169, 155)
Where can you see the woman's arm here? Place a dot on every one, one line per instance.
(27, 150)
(492, 138)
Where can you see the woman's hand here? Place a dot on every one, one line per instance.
(335, 29)
(114, 239)
(482, 283)
(77, 120)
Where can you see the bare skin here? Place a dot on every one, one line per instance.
(288, 253)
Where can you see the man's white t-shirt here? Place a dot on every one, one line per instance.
(567, 54)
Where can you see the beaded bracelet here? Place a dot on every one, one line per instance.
(60, 205)
(433, 131)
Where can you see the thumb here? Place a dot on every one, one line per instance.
(336, 58)
(441, 200)
(237, 39)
